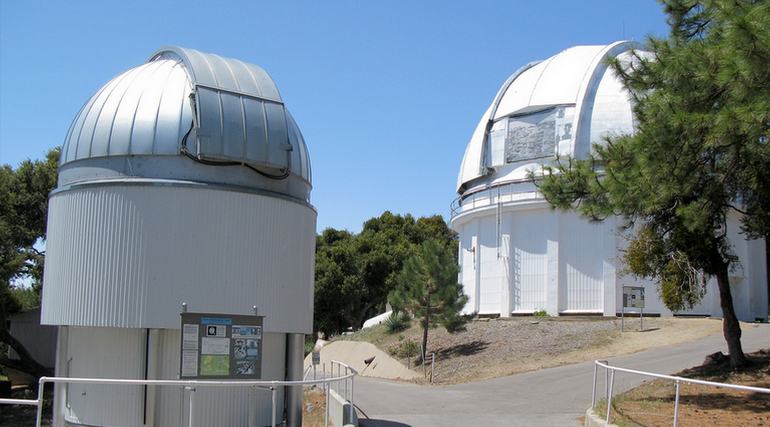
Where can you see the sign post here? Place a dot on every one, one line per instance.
(633, 297)
(220, 346)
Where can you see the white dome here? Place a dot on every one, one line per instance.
(560, 106)
(181, 115)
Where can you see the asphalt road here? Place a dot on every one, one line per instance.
(549, 397)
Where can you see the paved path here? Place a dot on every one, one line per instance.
(549, 397)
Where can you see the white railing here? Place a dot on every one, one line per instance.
(492, 195)
(191, 385)
(609, 381)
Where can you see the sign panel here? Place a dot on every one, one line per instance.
(633, 296)
(221, 346)
(316, 357)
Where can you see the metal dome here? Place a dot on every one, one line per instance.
(184, 115)
(559, 106)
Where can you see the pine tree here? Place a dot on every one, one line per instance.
(427, 288)
(699, 154)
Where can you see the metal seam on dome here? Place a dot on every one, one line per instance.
(157, 110)
(117, 108)
(230, 70)
(537, 81)
(152, 75)
(251, 75)
(117, 81)
(90, 103)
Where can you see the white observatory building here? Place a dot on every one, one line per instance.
(517, 255)
(182, 180)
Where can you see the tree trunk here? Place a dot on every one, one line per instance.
(730, 326)
(425, 326)
(26, 362)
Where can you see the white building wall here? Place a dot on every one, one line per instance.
(492, 271)
(529, 260)
(91, 352)
(468, 274)
(563, 263)
(581, 264)
(129, 255)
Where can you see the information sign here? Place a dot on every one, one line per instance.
(633, 296)
(220, 346)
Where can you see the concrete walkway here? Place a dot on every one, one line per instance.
(549, 397)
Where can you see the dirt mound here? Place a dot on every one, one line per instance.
(355, 353)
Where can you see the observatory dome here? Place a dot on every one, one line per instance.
(189, 116)
(559, 106)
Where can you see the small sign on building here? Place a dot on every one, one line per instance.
(220, 346)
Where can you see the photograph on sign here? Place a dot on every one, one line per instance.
(240, 331)
(216, 331)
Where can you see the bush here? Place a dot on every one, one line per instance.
(540, 313)
(396, 322)
(405, 349)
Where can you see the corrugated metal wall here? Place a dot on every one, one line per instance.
(580, 262)
(105, 353)
(129, 255)
(491, 267)
(218, 406)
(120, 353)
(530, 261)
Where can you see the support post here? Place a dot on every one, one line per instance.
(609, 395)
(327, 387)
(39, 415)
(190, 413)
(593, 389)
(676, 404)
(295, 345)
(272, 415)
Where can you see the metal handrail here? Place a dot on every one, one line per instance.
(609, 383)
(190, 385)
(456, 207)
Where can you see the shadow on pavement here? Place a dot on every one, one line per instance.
(381, 423)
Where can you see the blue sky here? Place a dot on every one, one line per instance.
(386, 93)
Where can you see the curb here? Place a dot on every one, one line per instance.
(594, 420)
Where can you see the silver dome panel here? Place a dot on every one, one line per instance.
(215, 110)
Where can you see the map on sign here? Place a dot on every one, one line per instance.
(220, 346)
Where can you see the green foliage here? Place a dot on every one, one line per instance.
(540, 313)
(355, 272)
(429, 291)
(27, 298)
(700, 152)
(405, 349)
(23, 214)
(397, 322)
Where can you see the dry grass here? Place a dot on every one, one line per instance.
(652, 403)
(498, 347)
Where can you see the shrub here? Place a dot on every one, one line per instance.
(396, 322)
(405, 349)
(540, 313)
